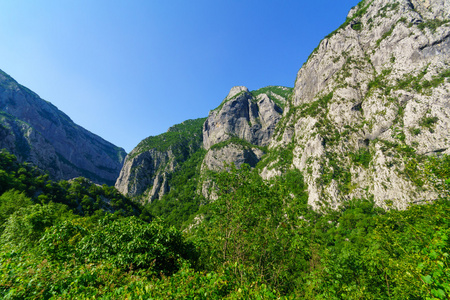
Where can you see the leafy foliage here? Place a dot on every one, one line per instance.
(432, 25)
(259, 239)
(237, 141)
(251, 229)
(80, 195)
(184, 198)
(125, 243)
(314, 108)
(183, 139)
(362, 157)
(270, 91)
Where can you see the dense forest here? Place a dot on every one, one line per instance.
(257, 240)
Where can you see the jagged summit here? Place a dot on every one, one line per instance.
(236, 90)
(234, 132)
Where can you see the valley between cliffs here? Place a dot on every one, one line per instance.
(368, 109)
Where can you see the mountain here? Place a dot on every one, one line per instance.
(37, 132)
(147, 167)
(237, 131)
(367, 116)
(371, 105)
(318, 204)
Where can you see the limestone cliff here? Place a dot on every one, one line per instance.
(37, 132)
(235, 132)
(243, 115)
(368, 109)
(371, 101)
(238, 130)
(148, 167)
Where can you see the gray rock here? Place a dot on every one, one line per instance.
(217, 158)
(241, 115)
(142, 174)
(375, 72)
(147, 168)
(37, 132)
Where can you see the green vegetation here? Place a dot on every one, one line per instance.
(432, 25)
(20, 181)
(314, 108)
(180, 205)
(218, 108)
(237, 141)
(258, 240)
(282, 91)
(280, 159)
(385, 35)
(183, 139)
(428, 122)
(362, 9)
(334, 169)
(410, 82)
(357, 26)
(362, 157)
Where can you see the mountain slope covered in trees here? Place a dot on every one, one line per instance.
(258, 239)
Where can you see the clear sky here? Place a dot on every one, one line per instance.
(128, 69)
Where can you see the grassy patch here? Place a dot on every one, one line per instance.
(182, 138)
(432, 25)
(284, 92)
(314, 108)
(429, 122)
(362, 157)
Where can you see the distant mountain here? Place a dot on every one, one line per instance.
(37, 132)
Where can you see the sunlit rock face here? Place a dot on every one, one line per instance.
(373, 92)
(368, 108)
(242, 115)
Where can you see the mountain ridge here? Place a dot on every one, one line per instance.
(36, 131)
(367, 109)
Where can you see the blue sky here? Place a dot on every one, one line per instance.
(126, 70)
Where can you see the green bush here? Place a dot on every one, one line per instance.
(362, 157)
(125, 243)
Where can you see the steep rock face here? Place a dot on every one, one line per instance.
(244, 116)
(231, 153)
(370, 102)
(37, 132)
(244, 122)
(147, 169)
(143, 171)
(235, 132)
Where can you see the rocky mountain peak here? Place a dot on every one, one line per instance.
(146, 169)
(368, 108)
(236, 90)
(242, 115)
(374, 87)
